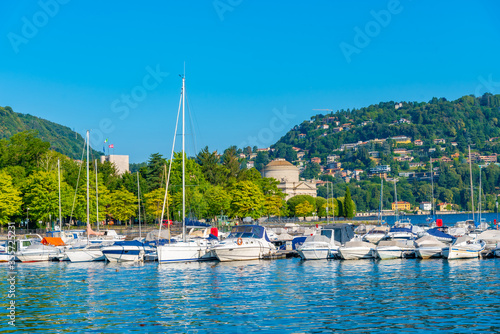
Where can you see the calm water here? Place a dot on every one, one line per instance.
(282, 296)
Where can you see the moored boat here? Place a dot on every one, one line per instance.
(464, 248)
(326, 244)
(429, 247)
(355, 250)
(245, 242)
(124, 251)
(395, 249)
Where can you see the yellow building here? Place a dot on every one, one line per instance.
(401, 206)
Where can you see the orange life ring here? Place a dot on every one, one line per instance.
(239, 242)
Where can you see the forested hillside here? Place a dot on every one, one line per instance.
(468, 120)
(61, 138)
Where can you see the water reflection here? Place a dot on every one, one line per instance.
(286, 295)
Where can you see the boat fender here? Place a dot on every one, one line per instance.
(239, 242)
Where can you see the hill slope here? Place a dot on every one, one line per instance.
(467, 120)
(61, 138)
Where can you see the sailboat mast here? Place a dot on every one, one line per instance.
(96, 197)
(139, 204)
(183, 160)
(432, 191)
(88, 194)
(396, 199)
(327, 193)
(471, 189)
(480, 193)
(381, 198)
(59, 182)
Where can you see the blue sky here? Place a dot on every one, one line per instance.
(254, 69)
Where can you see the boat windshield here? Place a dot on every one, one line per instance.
(247, 231)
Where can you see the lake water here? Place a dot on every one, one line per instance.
(281, 296)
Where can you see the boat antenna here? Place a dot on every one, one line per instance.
(96, 196)
(59, 181)
(139, 203)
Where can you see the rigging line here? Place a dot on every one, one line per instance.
(78, 180)
(168, 175)
(192, 127)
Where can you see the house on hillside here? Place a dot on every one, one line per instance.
(445, 206)
(316, 160)
(401, 139)
(439, 141)
(426, 206)
(401, 205)
(302, 135)
(418, 142)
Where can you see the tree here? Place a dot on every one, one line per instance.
(10, 199)
(321, 207)
(273, 205)
(246, 200)
(155, 171)
(212, 170)
(230, 161)
(218, 200)
(41, 195)
(296, 200)
(154, 203)
(304, 209)
(348, 204)
(124, 205)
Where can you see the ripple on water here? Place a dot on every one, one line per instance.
(273, 296)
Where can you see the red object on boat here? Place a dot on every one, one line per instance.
(214, 231)
(439, 222)
(317, 225)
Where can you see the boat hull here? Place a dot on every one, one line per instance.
(184, 252)
(462, 253)
(389, 253)
(85, 255)
(315, 253)
(356, 253)
(36, 257)
(123, 254)
(429, 252)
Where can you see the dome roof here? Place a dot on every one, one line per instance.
(279, 163)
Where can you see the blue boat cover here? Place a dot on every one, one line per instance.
(435, 232)
(195, 223)
(129, 243)
(248, 231)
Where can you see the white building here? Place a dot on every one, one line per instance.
(121, 162)
(425, 206)
(288, 176)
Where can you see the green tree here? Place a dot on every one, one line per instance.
(124, 205)
(41, 195)
(10, 199)
(212, 170)
(348, 204)
(218, 200)
(273, 205)
(321, 206)
(154, 203)
(247, 199)
(304, 209)
(296, 200)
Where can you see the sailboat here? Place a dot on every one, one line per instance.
(90, 252)
(186, 250)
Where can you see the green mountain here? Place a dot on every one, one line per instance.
(467, 120)
(61, 138)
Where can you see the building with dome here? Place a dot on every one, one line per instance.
(288, 176)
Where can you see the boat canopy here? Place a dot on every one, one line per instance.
(342, 233)
(129, 243)
(249, 231)
(400, 229)
(440, 234)
(53, 241)
(195, 223)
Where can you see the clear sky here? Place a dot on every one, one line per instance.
(254, 69)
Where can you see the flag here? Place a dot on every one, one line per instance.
(111, 146)
(106, 141)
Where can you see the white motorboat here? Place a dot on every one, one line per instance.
(37, 253)
(464, 248)
(496, 251)
(375, 235)
(89, 253)
(245, 242)
(400, 233)
(429, 247)
(395, 249)
(355, 250)
(124, 251)
(4, 251)
(491, 238)
(326, 244)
